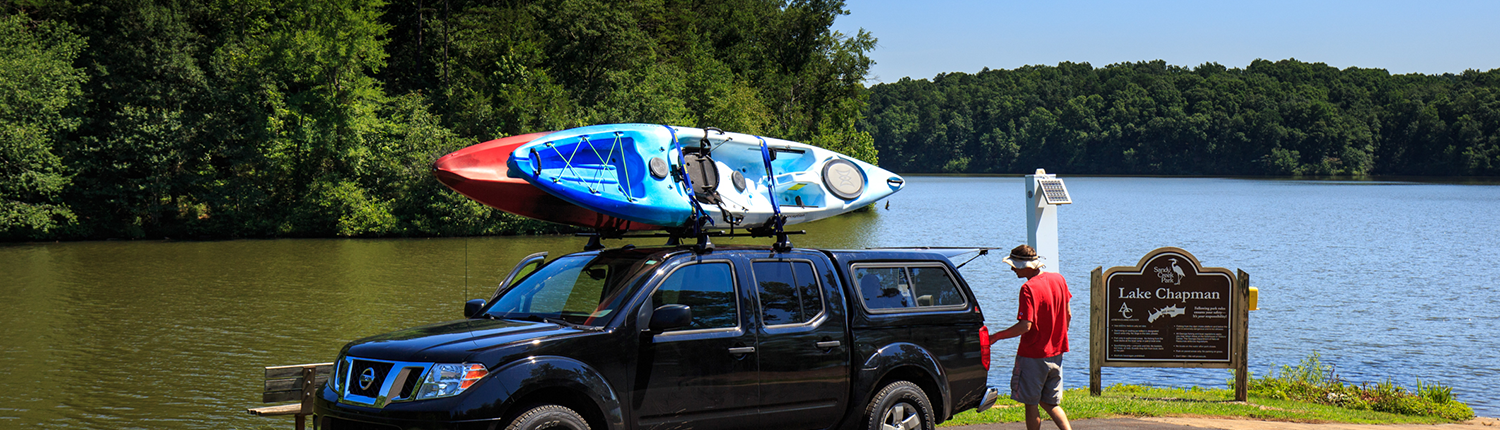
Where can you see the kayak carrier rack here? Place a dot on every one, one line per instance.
(704, 237)
(699, 221)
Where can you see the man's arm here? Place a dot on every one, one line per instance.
(1020, 328)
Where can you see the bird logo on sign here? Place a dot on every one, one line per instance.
(1178, 271)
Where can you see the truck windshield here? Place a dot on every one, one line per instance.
(578, 289)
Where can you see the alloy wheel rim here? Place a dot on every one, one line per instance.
(901, 416)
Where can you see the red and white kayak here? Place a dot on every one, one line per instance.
(479, 172)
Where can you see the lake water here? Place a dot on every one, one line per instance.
(1385, 279)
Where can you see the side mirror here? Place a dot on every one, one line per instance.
(472, 307)
(668, 317)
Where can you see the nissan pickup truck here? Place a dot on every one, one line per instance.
(680, 337)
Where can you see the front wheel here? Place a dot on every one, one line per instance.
(548, 417)
(901, 405)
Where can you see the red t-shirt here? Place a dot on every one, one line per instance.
(1044, 302)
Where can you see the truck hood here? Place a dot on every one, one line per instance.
(452, 341)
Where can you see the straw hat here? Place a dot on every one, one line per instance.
(1023, 257)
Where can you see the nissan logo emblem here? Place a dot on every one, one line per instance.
(366, 378)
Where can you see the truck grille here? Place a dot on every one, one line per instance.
(376, 383)
(360, 382)
(410, 384)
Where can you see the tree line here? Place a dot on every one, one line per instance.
(317, 118)
(288, 118)
(1284, 117)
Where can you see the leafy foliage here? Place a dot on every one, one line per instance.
(1316, 382)
(1270, 118)
(38, 89)
(256, 118)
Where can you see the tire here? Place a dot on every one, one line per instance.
(901, 405)
(548, 417)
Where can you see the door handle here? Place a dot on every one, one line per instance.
(829, 344)
(742, 350)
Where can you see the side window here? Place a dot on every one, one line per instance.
(707, 288)
(884, 287)
(907, 288)
(933, 287)
(808, 289)
(788, 291)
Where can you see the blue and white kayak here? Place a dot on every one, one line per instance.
(639, 172)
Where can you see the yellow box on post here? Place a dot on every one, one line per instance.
(1254, 298)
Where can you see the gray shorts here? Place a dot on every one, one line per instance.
(1037, 380)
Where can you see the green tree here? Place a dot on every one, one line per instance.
(136, 159)
(1270, 118)
(256, 118)
(39, 87)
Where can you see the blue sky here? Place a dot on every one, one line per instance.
(921, 38)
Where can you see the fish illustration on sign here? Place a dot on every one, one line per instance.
(1170, 311)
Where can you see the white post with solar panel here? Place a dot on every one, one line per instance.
(1044, 193)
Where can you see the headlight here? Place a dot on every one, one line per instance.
(445, 380)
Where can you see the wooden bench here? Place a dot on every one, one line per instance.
(298, 383)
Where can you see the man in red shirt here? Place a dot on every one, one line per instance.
(1042, 324)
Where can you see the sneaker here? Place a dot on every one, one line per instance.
(990, 397)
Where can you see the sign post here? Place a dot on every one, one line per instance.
(1169, 311)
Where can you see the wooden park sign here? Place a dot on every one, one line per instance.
(1169, 311)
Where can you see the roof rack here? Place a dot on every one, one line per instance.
(675, 235)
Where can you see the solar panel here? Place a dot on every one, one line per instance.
(1054, 191)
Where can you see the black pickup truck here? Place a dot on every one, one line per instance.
(678, 337)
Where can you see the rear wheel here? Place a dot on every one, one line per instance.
(901, 405)
(548, 417)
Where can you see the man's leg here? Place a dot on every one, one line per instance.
(1058, 417)
(1051, 397)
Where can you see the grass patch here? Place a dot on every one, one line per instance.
(1308, 392)
(1137, 401)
